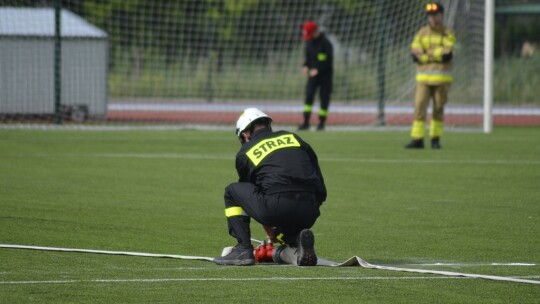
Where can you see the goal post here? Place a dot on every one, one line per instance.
(488, 65)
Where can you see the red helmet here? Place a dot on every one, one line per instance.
(308, 29)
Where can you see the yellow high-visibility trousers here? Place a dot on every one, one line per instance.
(425, 93)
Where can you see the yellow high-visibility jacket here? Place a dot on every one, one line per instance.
(435, 62)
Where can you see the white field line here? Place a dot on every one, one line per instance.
(329, 159)
(225, 280)
(470, 264)
(434, 161)
(159, 280)
(167, 155)
(324, 159)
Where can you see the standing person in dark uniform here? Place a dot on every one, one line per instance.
(318, 68)
(280, 186)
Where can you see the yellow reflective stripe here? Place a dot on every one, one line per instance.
(279, 238)
(323, 113)
(425, 42)
(436, 128)
(418, 129)
(416, 43)
(449, 40)
(234, 211)
(263, 148)
(321, 57)
(308, 108)
(421, 77)
(435, 39)
(437, 53)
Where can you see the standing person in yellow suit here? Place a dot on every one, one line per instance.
(432, 50)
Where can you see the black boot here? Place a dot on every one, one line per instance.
(322, 122)
(239, 256)
(305, 125)
(415, 144)
(239, 229)
(306, 249)
(436, 143)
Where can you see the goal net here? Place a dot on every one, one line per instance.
(203, 62)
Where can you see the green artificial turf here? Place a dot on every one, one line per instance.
(474, 203)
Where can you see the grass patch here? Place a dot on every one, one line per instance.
(474, 202)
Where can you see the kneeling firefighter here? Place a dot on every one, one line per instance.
(280, 186)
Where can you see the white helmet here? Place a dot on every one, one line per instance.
(249, 116)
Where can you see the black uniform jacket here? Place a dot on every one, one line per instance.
(279, 162)
(320, 55)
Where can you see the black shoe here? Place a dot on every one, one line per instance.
(239, 256)
(436, 143)
(415, 144)
(303, 127)
(320, 127)
(306, 249)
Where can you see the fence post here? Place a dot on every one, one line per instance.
(57, 61)
(381, 64)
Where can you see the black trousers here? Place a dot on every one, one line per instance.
(289, 212)
(324, 84)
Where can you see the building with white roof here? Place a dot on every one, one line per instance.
(27, 67)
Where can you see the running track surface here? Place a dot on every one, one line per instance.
(290, 114)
